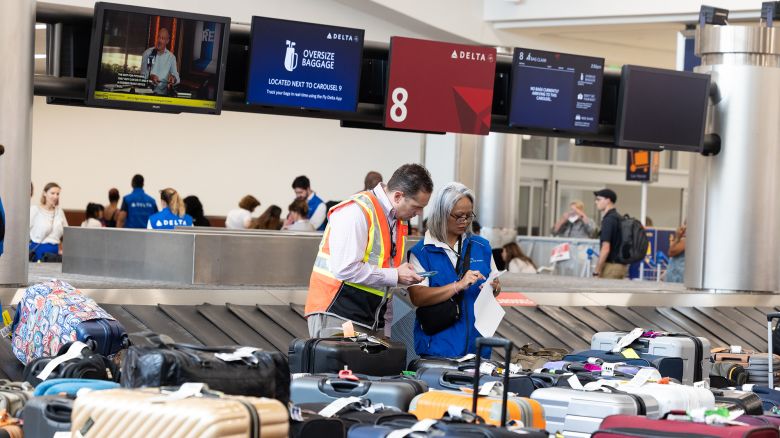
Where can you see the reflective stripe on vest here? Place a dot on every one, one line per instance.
(323, 285)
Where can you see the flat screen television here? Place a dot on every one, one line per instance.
(156, 60)
(304, 65)
(434, 86)
(555, 91)
(662, 109)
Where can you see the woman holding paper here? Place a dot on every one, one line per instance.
(457, 263)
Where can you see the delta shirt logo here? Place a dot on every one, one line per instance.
(170, 222)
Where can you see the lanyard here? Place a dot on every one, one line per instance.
(463, 264)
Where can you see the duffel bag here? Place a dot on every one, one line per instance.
(234, 370)
(77, 362)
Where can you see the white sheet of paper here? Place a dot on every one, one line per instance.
(488, 313)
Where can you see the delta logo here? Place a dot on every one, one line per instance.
(471, 56)
(342, 37)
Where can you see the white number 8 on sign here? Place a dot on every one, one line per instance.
(398, 111)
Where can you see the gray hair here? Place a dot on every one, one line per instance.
(441, 207)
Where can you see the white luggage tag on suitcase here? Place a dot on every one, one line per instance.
(628, 339)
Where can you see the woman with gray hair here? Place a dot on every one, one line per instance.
(457, 263)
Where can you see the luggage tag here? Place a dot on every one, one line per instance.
(608, 368)
(574, 382)
(244, 354)
(701, 384)
(73, 352)
(515, 368)
(296, 414)
(487, 368)
(7, 321)
(61, 435)
(349, 329)
(643, 376)
(491, 388)
(629, 353)
(337, 405)
(628, 339)
(734, 349)
(186, 390)
(465, 358)
(377, 340)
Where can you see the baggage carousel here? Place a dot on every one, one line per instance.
(565, 312)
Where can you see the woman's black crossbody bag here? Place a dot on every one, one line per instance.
(438, 317)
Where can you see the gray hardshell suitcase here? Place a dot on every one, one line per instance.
(324, 388)
(579, 413)
(694, 351)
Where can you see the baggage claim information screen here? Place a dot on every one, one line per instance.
(555, 91)
(439, 87)
(304, 65)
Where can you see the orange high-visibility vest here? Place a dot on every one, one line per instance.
(356, 302)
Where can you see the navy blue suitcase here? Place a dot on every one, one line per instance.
(667, 366)
(103, 336)
(442, 378)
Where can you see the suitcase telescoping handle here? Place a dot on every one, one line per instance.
(492, 343)
(770, 355)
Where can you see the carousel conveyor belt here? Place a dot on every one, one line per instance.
(274, 326)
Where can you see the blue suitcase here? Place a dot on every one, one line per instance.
(103, 336)
(668, 366)
(442, 378)
(71, 386)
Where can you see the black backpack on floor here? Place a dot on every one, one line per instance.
(633, 241)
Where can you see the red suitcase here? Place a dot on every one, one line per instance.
(629, 426)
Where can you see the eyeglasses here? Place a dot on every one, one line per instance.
(465, 218)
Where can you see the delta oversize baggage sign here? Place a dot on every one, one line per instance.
(439, 87)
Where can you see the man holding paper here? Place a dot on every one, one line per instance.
(445, 323)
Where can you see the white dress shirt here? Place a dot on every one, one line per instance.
(452, 254)
(348, 240)
(318, 217)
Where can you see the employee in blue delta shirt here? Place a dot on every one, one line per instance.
(137, 206)
(173, 213)
(462, 261)
(317, 209)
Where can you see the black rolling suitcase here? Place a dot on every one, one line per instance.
(467, 425)
(307, 423)
(363, 355)
(44, 416)
(732, 399)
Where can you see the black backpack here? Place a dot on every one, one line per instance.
(633, 241)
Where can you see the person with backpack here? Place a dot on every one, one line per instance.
(609, 265)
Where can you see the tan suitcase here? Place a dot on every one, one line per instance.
(138, 413)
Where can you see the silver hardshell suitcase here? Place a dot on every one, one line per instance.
(579, 413)
(694, 351)
(324, 388)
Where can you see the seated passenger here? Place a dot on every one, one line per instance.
(173, 213)
(271, 219)
(297, 219)
(241, 218)
(47, 223)
(194, 208)
(462, 261)
(516, 261)
(94, 216)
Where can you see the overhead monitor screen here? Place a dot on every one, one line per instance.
(439, 87)
(156, 60)
(555, 91)
(304, 65)
(662, 109)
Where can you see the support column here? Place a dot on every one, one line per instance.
(17, 31)
(497, 197)
(733, 234)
